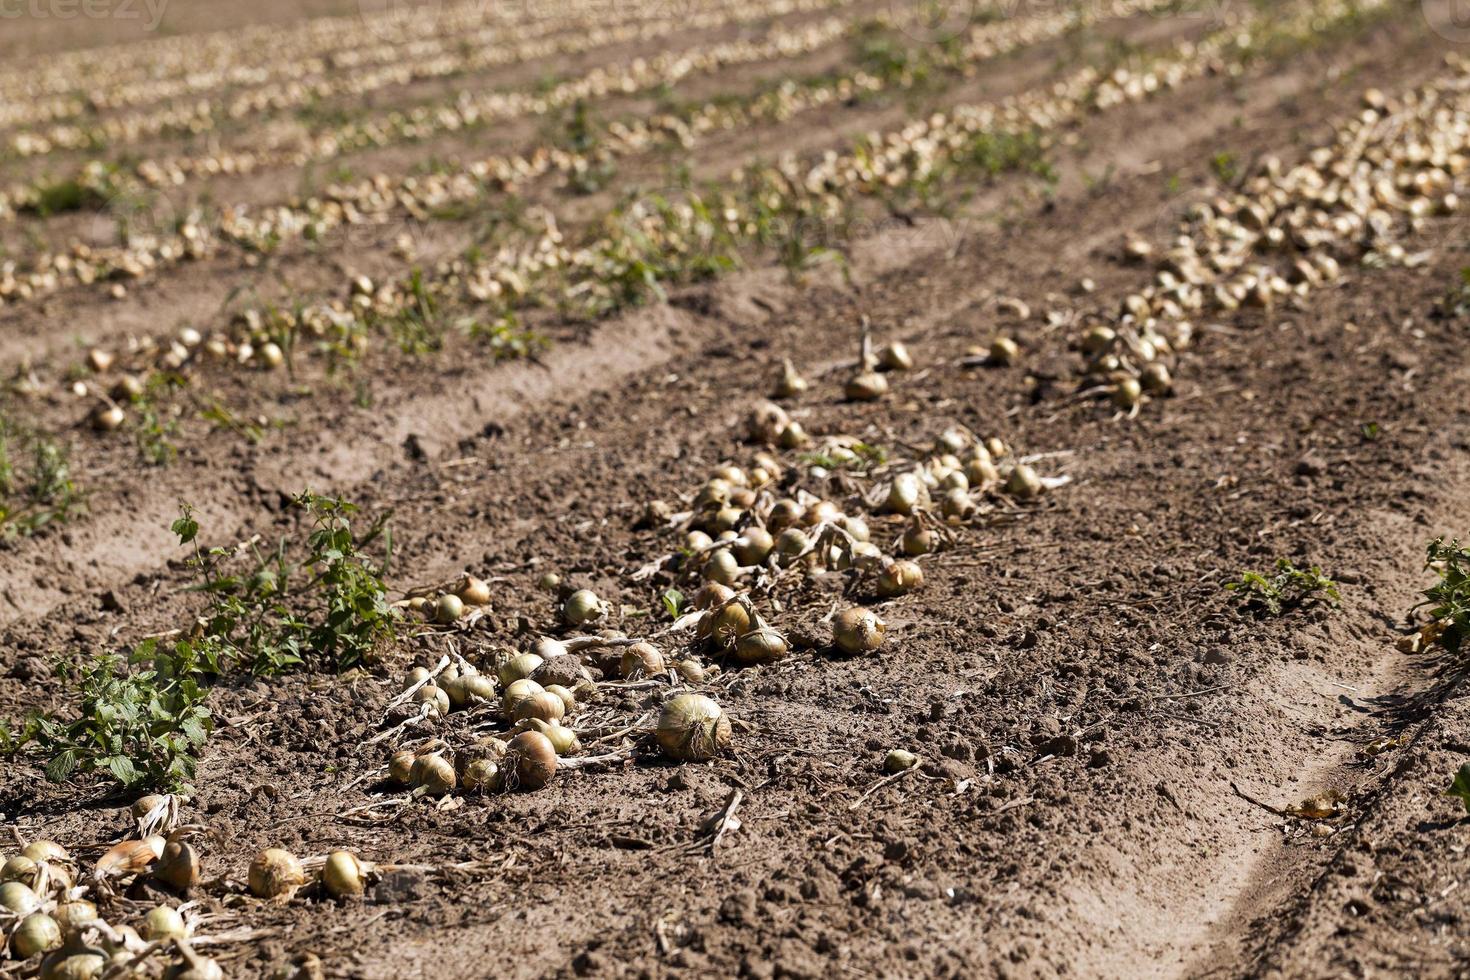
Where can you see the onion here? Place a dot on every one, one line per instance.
(712, 594)
(917, 539)
(692, 728)
(766, 422)
(784, 513)
(343, 875)
(519, 667)
(106, 418)
(692, 671)
(130, 856)
(164, 922)
(532, 758)
(1097, 340)
(178, 866)
(1003, 350)
(1126, 393)
(66, 965)
(448, 609)
(724, 626)
(72, 915)
(400, 767)
(641, 660)
(431, 695)
(899, 578)
(794, 436)
(791, 384)
(897, 760)
(1155, 379)
(415, 676)
(476, 689)
(549, 582)
(562, 738)
(543, 705)
(145, 805)
(583, 607)
(20, 868)
(482, 775)
(906, 494)
(275, 873)
(1023, 483)
(896, 357)
(858, 630)
(474, 591)
(37, 933)
(761, 645)
(722, 567)
(981, 472)
(432, 774)
(752, 547)
(516, 692)
(866, 386)
(792, 542)
(956, 504)
(45, 850)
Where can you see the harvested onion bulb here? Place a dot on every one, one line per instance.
(858, 630)
(692, 728)
(275, 873)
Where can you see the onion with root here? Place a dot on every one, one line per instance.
(858, 630)
(692, 728)
(583, 607)
(275, 874)
(531, 758)
(164, 922)
(178, 866)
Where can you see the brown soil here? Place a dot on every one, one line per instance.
(1106, 734)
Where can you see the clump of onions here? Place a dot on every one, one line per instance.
(432, 775)
(865, 386)
(178, 866)
(474, 591)
(898, 578)
(692, 728)
(37, 933)
(164, 922)
(641, 660)
(583, 607)
(532, 758)
(343, 875)
(275, 873)
(1023, 483)
(857, 630)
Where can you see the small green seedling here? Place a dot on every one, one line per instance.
(1289, 588)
